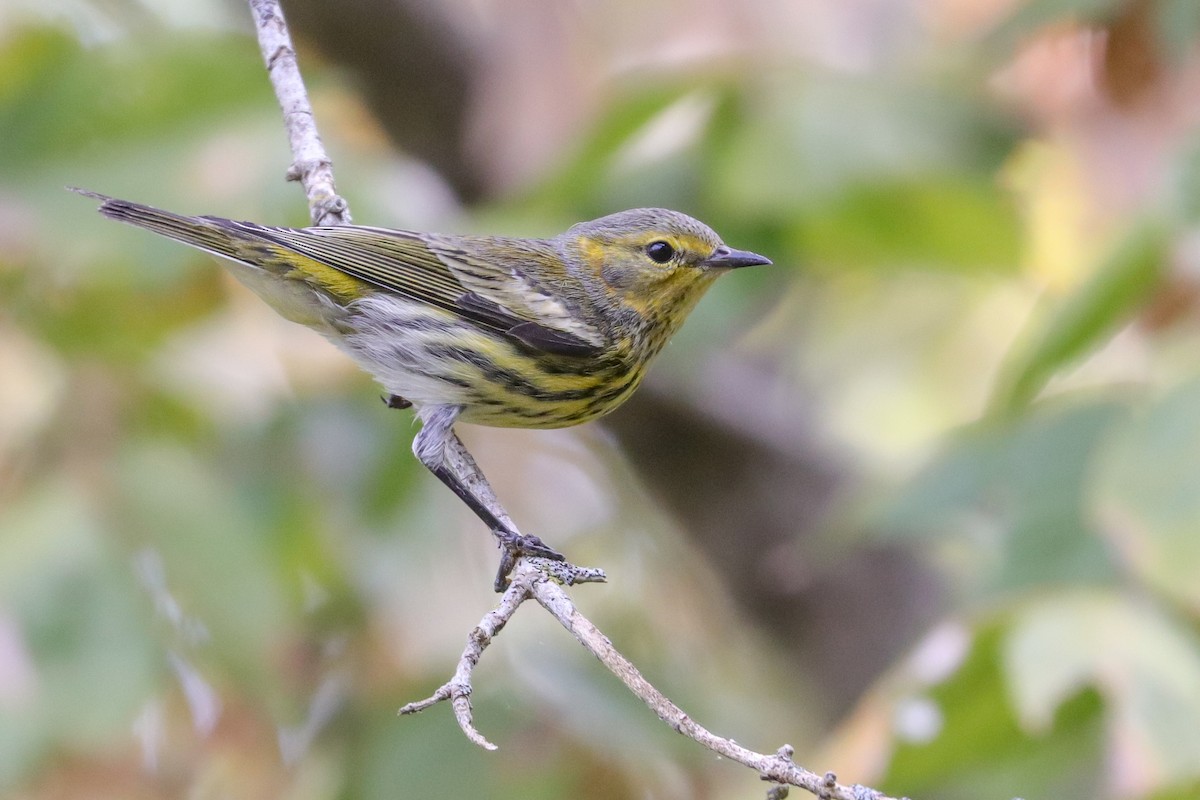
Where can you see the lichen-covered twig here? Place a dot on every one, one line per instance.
(458, 689)
(778, 767)
(543, 581)
(310, 164)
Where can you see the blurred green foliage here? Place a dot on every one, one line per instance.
(221, 570)
(1121, 285)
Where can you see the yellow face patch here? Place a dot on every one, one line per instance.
(594, 253)
(638, 282)
(631, 249)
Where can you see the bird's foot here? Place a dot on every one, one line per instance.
(396, 401)
(513, 546)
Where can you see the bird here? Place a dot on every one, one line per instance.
(491, 330)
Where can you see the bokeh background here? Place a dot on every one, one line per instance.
(922, 499)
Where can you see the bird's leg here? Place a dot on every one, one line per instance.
(512, 543)
(440, 449)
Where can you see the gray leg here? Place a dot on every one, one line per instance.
(431, 445)
(443, 453)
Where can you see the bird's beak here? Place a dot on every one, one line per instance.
(728, 258)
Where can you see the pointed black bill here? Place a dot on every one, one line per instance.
(728, 258)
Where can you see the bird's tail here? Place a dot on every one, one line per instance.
(299, 287)
(217, 236)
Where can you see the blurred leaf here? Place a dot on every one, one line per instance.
(1185, 185)
(80, 661)
(584, 182)
(1176, 21)
(59, 99)
(393, 756)
(1185, 791)
(78, 319)
(1178, 26)
(1145, 665)
(1033, 16)
(807, 140)
(980, 750)
(1109, 299)
(388, 757)
(218, 563)
(931, 221)
(1147, 491)
(1011, 494)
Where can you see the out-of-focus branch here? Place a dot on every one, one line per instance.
(723, 455)
(414, 71)
(310, 164)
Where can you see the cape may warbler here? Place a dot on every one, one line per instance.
(522, 333)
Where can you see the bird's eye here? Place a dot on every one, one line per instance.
(660, 252)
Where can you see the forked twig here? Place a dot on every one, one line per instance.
(538, 579)
(457, 690)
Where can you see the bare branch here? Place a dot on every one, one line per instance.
(778, 768)
(542, 580)
(310, 164)
(458, 689)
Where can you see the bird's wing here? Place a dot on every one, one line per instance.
(479, 279)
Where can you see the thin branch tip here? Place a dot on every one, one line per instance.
(417, 706)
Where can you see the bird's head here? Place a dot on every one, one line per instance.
(655, 261)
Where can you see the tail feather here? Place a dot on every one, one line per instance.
(207, 233)
(300, 288)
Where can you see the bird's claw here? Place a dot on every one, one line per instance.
(396, 401)
(513, 546)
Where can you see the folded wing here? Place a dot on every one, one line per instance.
(479, 279)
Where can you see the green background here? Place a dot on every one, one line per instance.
(922, 499)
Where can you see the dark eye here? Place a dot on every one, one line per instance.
(660, 252)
